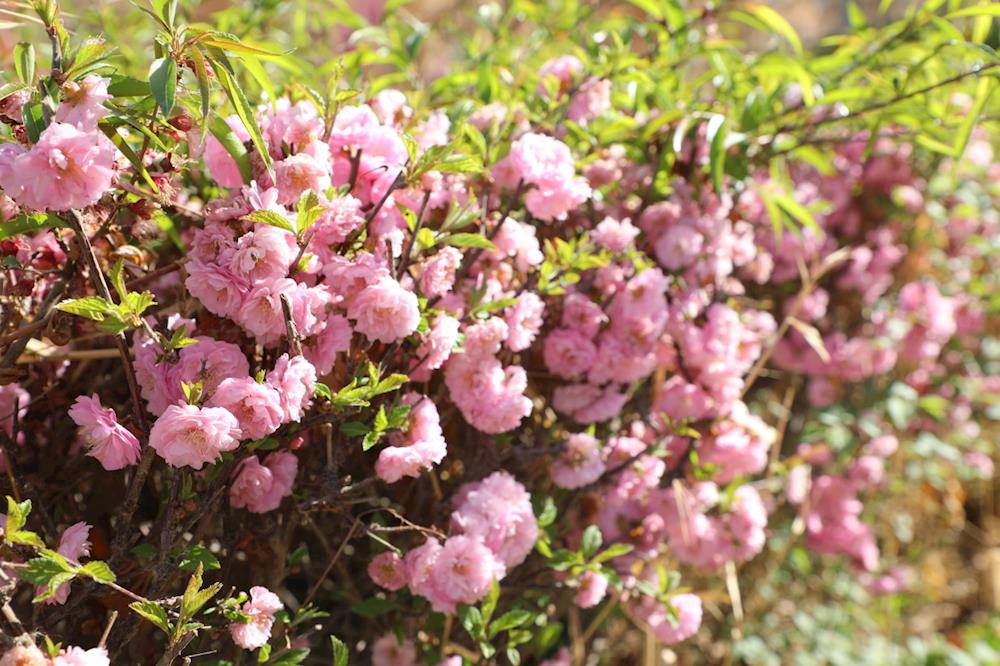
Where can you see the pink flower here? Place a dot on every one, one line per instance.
(438, 275)
(882, 447)
(519, 242)
(593, 587)
(388, 571)
(260, 488)
(547, 164)
(265, 253)
(352, 126)
(221, 165)
(262, 314)
(593, 99)
(568, 353)
(112, 444)
(524, 319)
(73, 545)
(582, 314)
(674, 627)
(388, 651)
(24, 655)
(463, 572)
(420, 447)
(498, 511)
(257, 407)
(614, 235)
(75, 656)
(738, 444)
(210, 361)
(67, 168)
(436, 347)
(580, 463)
(563, 69)
(586, 403)
(186, 435)
(385, 311)
(490, 397)
(322, 349)
(833, 524)
(83, 102)
(296, 124)
(261, 607)
(341, 218)
(553, 202)
(294, 379)
(679, 247)
(298, 173)
(220, 291)
(562, 658)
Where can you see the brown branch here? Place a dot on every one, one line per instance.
(294, 341)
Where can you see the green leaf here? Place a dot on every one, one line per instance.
(117, 277)
(489, 604)
(390, 383)
(53, 584)
(24, 537)
(651, 7)
(94, 308)
(796, 211)
(128, 86)
(194, 596)
(381, 419)
(153, 612)
(613, 551)
(308, 211)
(41, 570)
(321, 390)
(272, 218)
(371, 439)
(372, 607)
(509, 620)
(17, 514)
(99, 571)
(123, 146)
(984, 89)
(471, 619)
(469, 240)
(992, 9)
(163, 83)
(547, 516)
(716, 134)
(340, 652)
(770, 20)
(591, 540)
(354, 429)
(221, 130)
(901, 404)
(34, 120)
(198, 555)
(24, 62)
(290, 658)
(244, 110)
(25, 223)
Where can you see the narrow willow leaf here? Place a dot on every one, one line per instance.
(223, 73)
(163, 83)
(24, 62)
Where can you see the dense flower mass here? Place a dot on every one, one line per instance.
(620, 330)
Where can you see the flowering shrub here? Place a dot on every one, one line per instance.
(607, 337)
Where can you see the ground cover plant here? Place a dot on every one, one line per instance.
(549, 332)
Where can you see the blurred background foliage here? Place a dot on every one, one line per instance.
(891, 65)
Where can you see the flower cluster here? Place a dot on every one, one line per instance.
(521, 360)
